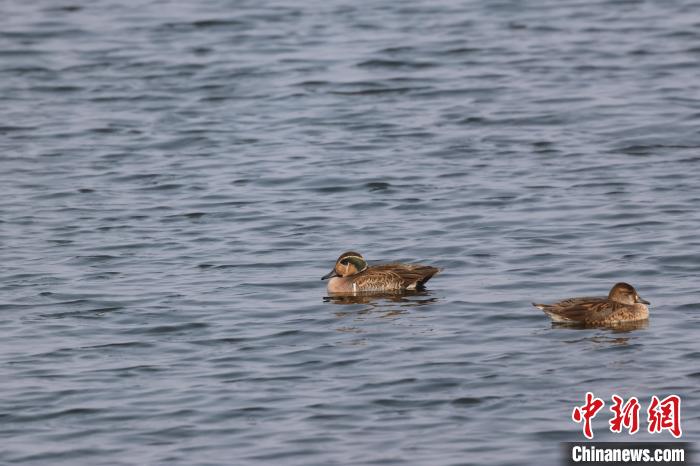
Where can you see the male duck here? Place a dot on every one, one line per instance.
(351, 274)
(623, 304)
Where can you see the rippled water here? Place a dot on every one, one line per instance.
(177, 176)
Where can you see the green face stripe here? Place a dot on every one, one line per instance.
(358, 262)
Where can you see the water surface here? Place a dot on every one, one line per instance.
(176, 177)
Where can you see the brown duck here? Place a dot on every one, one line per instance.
(351, 274)
(623, 304)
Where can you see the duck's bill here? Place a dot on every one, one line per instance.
(643, 301)
(330, 274)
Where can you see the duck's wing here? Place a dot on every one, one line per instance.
(569, 302)
(395, 276)
(588, 309)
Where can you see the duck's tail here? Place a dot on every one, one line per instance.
(426, 273)
(551, 312)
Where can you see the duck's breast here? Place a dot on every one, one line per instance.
(340, 285)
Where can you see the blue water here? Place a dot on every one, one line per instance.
(175, 178)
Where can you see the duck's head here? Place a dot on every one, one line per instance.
(349, 263)
(626, 294)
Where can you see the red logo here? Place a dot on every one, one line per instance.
(661, 415)
(587, 412)
(665, 415)
(626, 415)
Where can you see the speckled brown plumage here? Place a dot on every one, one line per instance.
(351, 274)
(394, 276)
(622, 304)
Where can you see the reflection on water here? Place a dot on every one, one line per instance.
(381, 305)
(602, 340)
(403, 297)
(611, 336)
(619, 327)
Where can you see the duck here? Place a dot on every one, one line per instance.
(351, 274)
(623, 304)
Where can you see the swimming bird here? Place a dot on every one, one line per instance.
(623, 304)
(351, 274)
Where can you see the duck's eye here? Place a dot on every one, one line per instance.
(344, 262)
